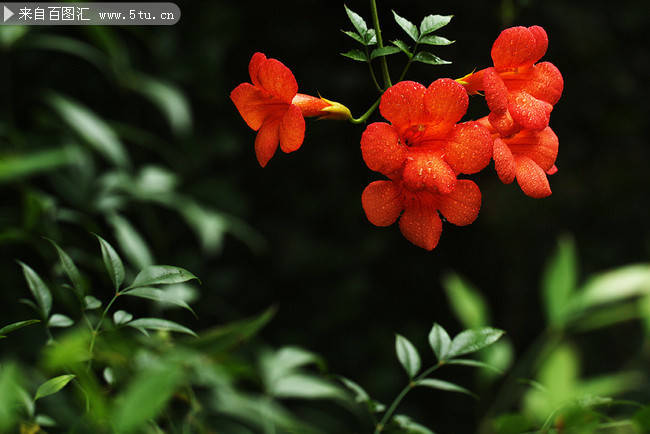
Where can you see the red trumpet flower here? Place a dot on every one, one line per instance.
(272, 106)
(422, 151)
(520, 93)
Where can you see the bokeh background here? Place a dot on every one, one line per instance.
(293, 235)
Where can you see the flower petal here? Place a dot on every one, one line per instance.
(518, 46)
(292, 129)
(446, 101)
(496, 92)
(421, 225)
(428, 170)
(469, 148)
(255, 105)
(531, 178)
(403, 104)
(256, 62)
(462, 205)
(382, 201)
(528, 111)
(541, 43)
(272, 76)
(539, 146)
(267, 140)
(504, 162)
(381, 148)
(543, 81)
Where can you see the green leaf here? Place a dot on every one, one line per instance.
(225, 338)
(431, 23)
(466, 301)
(357, 55)
(39, 290)
(407, 26)
(14, 166)
(439, 341)
(385, 51)
(159, 324)
(407, 355)
(131, 242)
(615, 285)
(409, 426)
(444, 385)
(403, 47)
(435, 40)
(171, 102)
(17, 325)
(44, 420)
(358, 23)
(91, 302)
(355, 36)
(474, 364)
(159, 295)
(53, 385)
(471, 341)
(60, 321)
(78, 283)
(112, 262)
(360, 395)
(10, 35)
(145, 396)
(559, 281)
(430, 59)
(121, 317)
(90, 127)
(161, 275)
(305, 386)
(10, 397)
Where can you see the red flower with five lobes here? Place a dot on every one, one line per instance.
(422, 151)
(520, 93)
(272, 106)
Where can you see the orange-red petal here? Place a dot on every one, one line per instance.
(496, 92)
(381, 148)
(403, 104)
(529, 112)
(292, 129)
(267, 140)
(255, 105)
(382, 201)
(469, 147)
(531, 178)
(446, 101)
(462, 205)
(539, 146)
(421, 225)
(428, 170)
(504, 161)
(519, 46)
(273, 76)
(542, 81)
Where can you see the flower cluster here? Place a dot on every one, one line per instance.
(521, 94)
(423, 148)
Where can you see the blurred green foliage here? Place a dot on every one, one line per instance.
(128, 133)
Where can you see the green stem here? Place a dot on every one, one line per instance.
(95, 330)
(402, 394)
(408, 64)
(364, 117)
(372, 71)
(380, 44)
